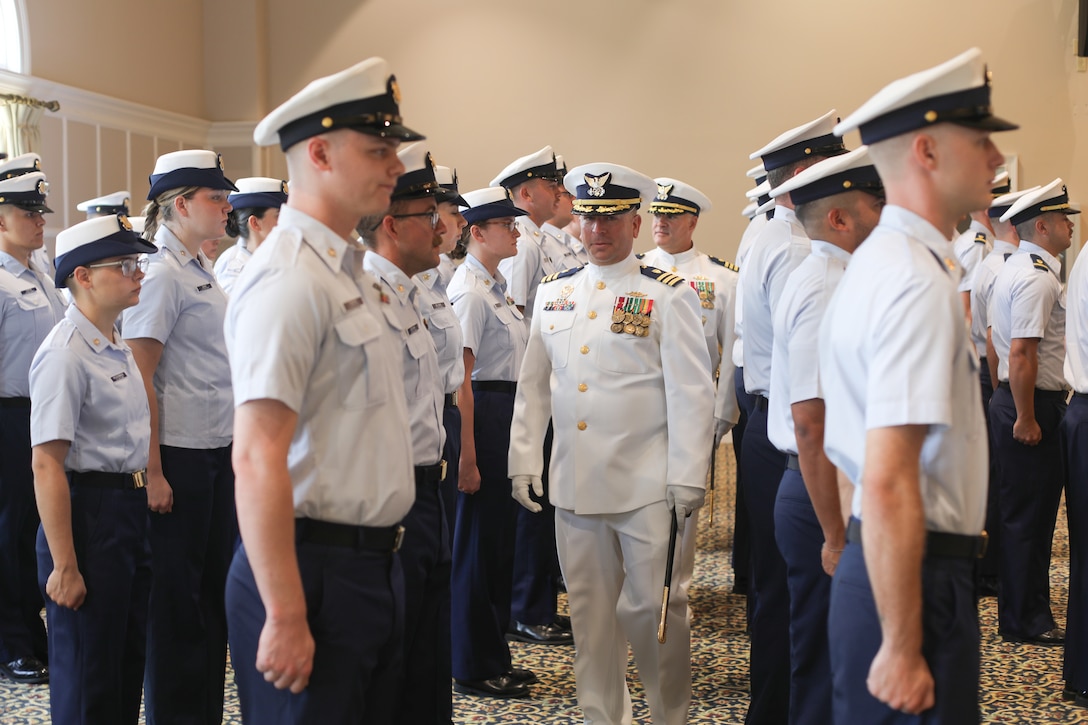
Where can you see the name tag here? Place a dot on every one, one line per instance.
(413, 329)
(204, 287)
(118, 376)
(438, 305)
(29, 290)
(352, 304)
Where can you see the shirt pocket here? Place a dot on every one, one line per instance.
(356, 356)
(555, 332)
(32, 298)
(414, 380)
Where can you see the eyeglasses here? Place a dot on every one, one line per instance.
(434, 215)
(128, 265)
(508, 226)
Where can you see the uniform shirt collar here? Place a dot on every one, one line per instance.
(1003, 247)
(91, 334)
(677, 259)
(1053, 262)
(613, 272)
(393, 275)
(821, 248)
(427, 277)
(477, 267)
(11, 264)
(166, 239)
(913, 225)
(329, 245)
(531, 229)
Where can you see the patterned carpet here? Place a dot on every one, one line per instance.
(1020, 683)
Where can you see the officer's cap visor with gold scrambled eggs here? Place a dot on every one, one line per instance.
(603, 188)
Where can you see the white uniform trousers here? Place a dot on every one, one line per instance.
(614, 567)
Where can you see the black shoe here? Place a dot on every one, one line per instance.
(525, 677)
(562, 621)
(502, 686)
(28, 670)
(539, 634)
(1049, 638)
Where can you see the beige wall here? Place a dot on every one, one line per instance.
(684, 88)
(145, 51)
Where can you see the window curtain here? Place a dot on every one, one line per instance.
(19, 117)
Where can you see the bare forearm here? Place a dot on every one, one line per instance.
(819, 473)
(55, 509)
(1023, 372)
(991, 358)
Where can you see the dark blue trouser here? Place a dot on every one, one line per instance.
(451, 453)
(742, 548)
(355, 609)
(22, 633)
(425, 563)
(483, 549)
(990, 566)
(770, 622)
(96, 653)
(950, 642)
(1074, 435)
(191, 548)
(536, 561)
(800, 539)
(1031, 478)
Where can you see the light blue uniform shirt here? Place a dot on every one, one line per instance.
(1076, 326)
(183, 307)
(539, 255)
(971, 248)
(230, 264)
(1028, 302)
(29, 307)
(88, 391)
(422, 386)
(795, 361)
(982, 289)
(781, 246)
(751, 233)
(443, 324)
(305, 329)
(493, 328)
(894, 350)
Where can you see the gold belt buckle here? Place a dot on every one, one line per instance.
(139, 478)
(985, 544)
(443, 472)
(399, 540)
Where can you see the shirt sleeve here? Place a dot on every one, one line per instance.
(159, 307)
(1033, 298)
(472, 311)
(58, 385)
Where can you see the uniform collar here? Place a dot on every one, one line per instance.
(1003, 247)
(330, 246)
(481, 273)
(687, 255)
(166, 239)
(12, 264)
(821, 248)
(91, 334)
(391, 274)
(913, 225)
(613, 272)
(1053, 262)
(427, 277)
(531, 230)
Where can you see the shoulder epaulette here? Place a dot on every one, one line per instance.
(662, 276)
(1039, 263)
(980, 238)
(561, 275)
(640, 255)
(723, 263)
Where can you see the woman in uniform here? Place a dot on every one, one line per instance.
(495, 336)
(29, 307)
(90, 428)
(176, 335)
(256, 210)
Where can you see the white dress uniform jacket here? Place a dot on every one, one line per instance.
(982, 289)
(1028, 301)
(539, 255)
(795, 362)
(305, 328)
(715, 281)
(894, 351)
(631, 414)
(776, 253)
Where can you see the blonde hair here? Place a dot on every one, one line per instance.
(161, 209)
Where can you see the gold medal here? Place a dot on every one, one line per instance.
(643, 332)
(617, 316)
(645, 321)
(630, 328)
(628, 318)
(702, 294)
(707, 305)
(616, 327)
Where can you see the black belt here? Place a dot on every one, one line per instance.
(761, 402)
(1044, 394)
(435, 473)
(1080, 395)
(793, 463)
(938, 543)
(450, 400)
(14, 402)
(384, 539)
(495, 386)
(101, 479)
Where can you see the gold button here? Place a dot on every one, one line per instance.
(930, 116)
(426, 276)
(332, 252)
(585, 350)
(581, 425)
(97, 342)
(600, 285)
(674, 270)
(184, 254)
(582, 387)
(400, 288)
(592, 315)
(551, 327)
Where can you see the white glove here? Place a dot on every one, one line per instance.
(721, 427)
(521, 485)
(682, 500)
